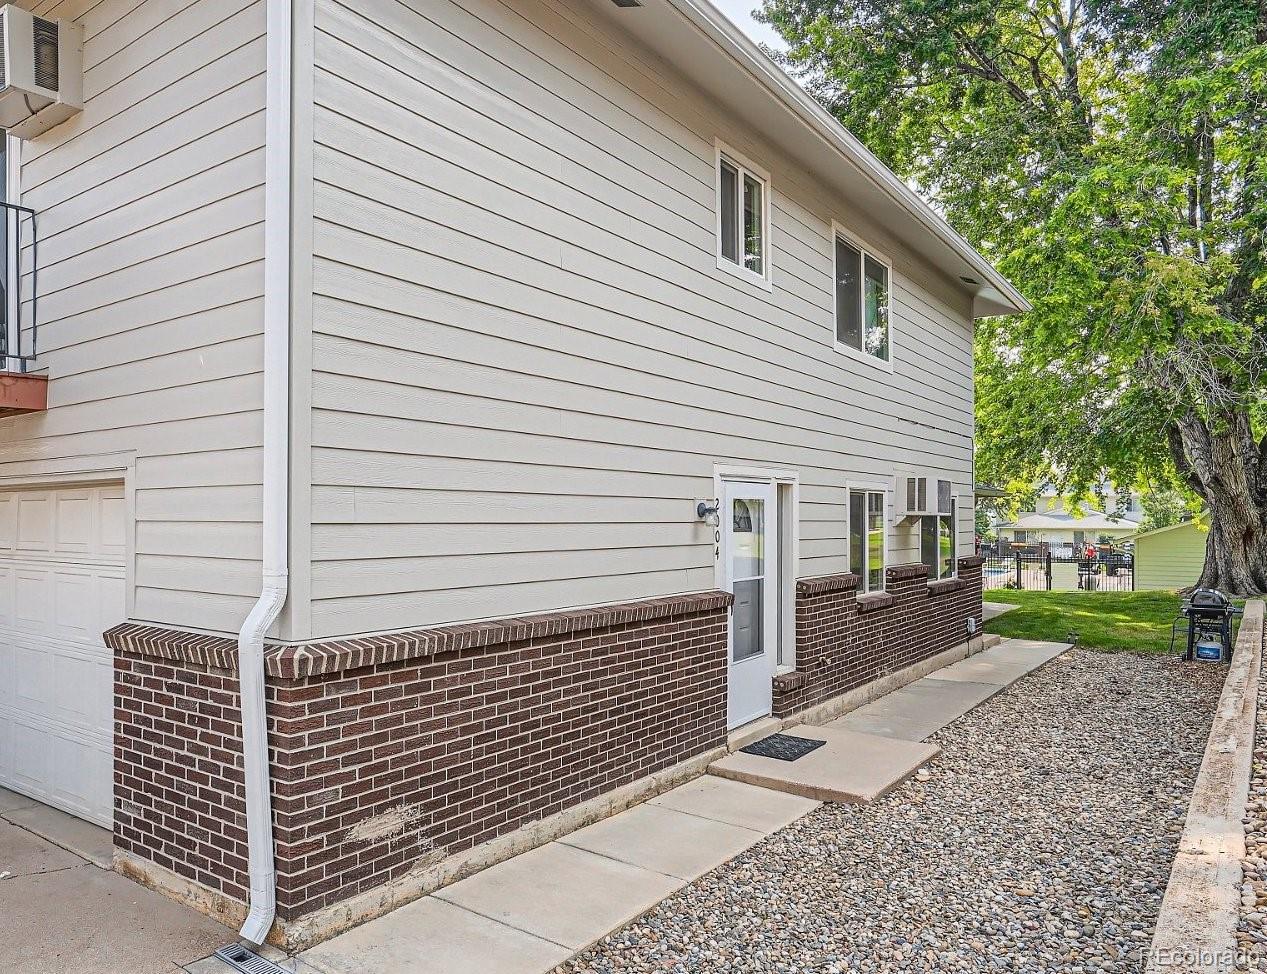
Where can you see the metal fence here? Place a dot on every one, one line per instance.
(19, 293)
(1038, 569)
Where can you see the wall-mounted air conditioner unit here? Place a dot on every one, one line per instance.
(41, 73)
(922, 495)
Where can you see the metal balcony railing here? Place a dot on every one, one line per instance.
(19, 302)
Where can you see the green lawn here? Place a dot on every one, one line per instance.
(1137, 621)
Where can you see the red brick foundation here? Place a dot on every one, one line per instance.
(844, 641)
(178, 788)
(391, 753)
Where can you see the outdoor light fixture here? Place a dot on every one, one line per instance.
(709, 513)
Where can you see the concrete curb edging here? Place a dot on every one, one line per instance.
(1196, 926)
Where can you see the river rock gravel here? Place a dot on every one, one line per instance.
(1252, 932)
(1040, 839)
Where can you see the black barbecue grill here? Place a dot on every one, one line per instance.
(1209, 614)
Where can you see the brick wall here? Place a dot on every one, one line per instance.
(178, 787)
(393, 752)
(397, 751)
(844, 640)
(402, 762)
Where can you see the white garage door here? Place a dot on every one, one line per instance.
(61, 586)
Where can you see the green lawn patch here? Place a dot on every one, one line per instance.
(1135, 621)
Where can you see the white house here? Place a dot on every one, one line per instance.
(1055, 522)
(422, 381)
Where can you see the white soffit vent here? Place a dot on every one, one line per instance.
(41, 72)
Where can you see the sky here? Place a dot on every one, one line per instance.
(740, 11)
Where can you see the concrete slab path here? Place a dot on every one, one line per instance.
(63, 912)
(532, 912)
(850, 767)
(920, 709)
(991, 610)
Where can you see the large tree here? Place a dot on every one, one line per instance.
(1111, 158)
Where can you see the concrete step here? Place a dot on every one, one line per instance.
(752, 731)
(850, 767)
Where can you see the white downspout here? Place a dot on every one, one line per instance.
(276, 479)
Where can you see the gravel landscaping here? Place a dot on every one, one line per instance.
(1252, 932)
(1039, 840)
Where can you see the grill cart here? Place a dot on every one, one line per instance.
(1209, 614)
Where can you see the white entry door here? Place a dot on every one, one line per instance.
(61, 586)
(750, 547)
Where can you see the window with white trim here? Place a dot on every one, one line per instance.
(867, 538)
(862, 300)
(743, 217)
(938, 542)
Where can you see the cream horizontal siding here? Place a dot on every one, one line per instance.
(1170, 559)
(525, 362)
(150, 205)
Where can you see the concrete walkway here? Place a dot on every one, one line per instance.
(531, 913)
(992, 610)
(63, 910)
(872, 750)
(850, 767)
(920, 709)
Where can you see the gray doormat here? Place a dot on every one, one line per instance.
(784, 747)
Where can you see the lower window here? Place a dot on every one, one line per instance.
(866, 538)
(937, 543)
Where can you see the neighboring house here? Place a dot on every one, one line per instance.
(483, 354)
(1054, 522)
(1170, 557)
(1065, 529)
(1051, 502)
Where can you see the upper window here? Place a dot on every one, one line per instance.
(937, 543)
(866, 538)
(862, 300)
(743, 218)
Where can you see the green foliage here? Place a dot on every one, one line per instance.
(1165, 507)
(1110, 158)
(983, 523)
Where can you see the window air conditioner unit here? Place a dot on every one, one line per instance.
(41, 74)
(922, 495)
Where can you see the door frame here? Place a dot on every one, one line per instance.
(787, 494)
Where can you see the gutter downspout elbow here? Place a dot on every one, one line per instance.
(255, 764)
(275, 475)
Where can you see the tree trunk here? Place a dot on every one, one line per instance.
(1226, 469)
